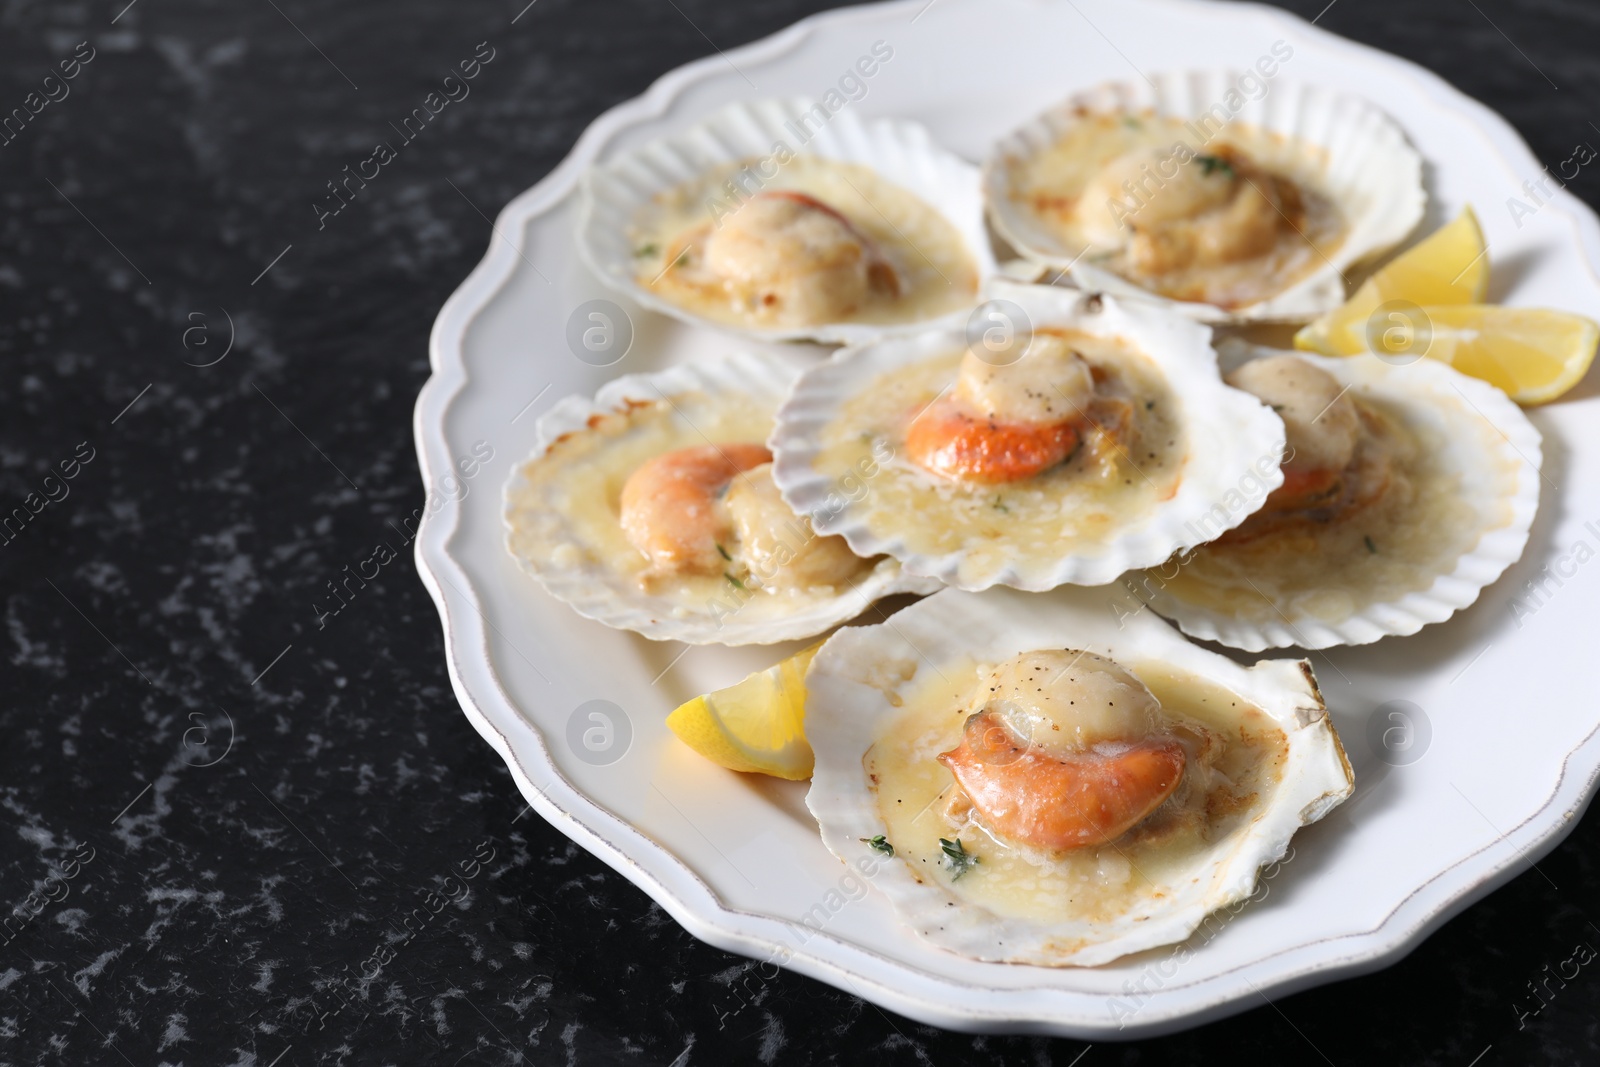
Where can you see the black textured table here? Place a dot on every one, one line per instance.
(220, 808)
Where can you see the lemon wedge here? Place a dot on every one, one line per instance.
(1533, 354)
(1450, 267)
(757, 725)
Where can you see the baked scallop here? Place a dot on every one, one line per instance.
(783, 222)
(1087, 445)
(1054, 788)
(1407, 488)
(652, 508)
(1234, 197)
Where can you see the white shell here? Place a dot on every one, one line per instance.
(600, 593)
(847, 707)
(1229, 434)
(1433, 390)
(614, 193)
(1369, 169)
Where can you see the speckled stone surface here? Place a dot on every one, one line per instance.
(216, 819)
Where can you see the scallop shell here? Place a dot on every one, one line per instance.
(535, 524)
(1435, 391)
(849, 705)
(1366, 166)
(1229, 434)
(902, 152)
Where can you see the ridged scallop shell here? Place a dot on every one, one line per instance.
(614, 194)
(535, 524)
(849, 705)
(1365, 165)
(1229, 434)
(1489, 432)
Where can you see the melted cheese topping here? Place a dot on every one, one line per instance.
(935, 273)
(567, 514)
(1219, 796)
(1417, 530)
(1172, 168)
(1068, 509)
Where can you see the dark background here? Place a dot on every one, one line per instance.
(223, 906)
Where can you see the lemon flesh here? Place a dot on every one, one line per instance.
(1533, 354)
(1450, 267)
(757, 725)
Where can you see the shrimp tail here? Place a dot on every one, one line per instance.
(671, 508)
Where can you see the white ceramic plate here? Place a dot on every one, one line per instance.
(738, 861)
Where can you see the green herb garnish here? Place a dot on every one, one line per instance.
(879, 844)
(1215, 163)
(957, 858)
(647, 250)
(1370, 546)
(1132, 123)
(736, 583)
(723, 552)
(999, 505)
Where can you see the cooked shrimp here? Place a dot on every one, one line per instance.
(1065, 749)
(1065, 802)
(791, 260)
(1006, 422)
(672, 509)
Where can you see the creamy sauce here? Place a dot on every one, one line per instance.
(936, 270)
(566, 516)
(1419, 528)
(1068, 509)
(1051, 185)
(1091, 884)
